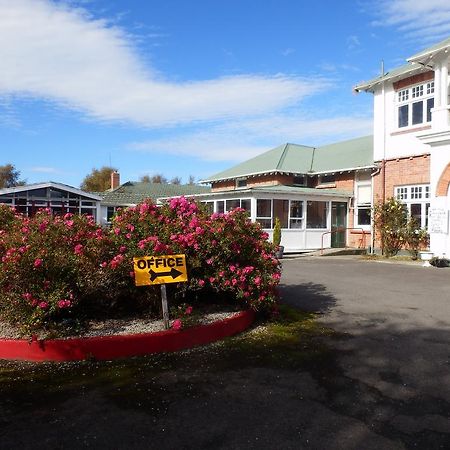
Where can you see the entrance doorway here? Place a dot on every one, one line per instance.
(338, 224)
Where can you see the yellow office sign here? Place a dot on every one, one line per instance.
(160, 269)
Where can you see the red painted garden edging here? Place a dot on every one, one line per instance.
(122, 346)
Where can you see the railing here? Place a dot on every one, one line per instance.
(362, 242)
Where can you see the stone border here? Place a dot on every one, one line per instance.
(123, 346)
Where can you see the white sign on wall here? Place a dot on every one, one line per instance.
(438, 220)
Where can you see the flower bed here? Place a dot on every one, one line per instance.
(121, 346)
(58, 272)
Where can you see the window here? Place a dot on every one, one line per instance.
(264, 212)
(416, 201)
(296, 214)
(316, 214)
(281, 210)
(326, 179)
(364, 215)
(220, 206)
(299, 180)
(414, 105)
(241, 182)
(290, 213)
(238, 203)
(363, 203)
(232, 204)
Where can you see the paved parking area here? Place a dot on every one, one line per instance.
(396, 319)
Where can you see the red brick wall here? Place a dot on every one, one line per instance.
(402, 171)
(415, 79)
(270, 180)
(228, 185)
(444, 181)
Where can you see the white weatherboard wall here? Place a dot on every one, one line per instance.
(391, 142)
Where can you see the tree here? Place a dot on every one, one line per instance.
(9, 176)
(191, 179)
(175, 180)
(159, 178)
(145, 179)
(99, 180)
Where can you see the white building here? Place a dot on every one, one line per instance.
(412, 139)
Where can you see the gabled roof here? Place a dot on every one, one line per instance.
(299, 160)
(430, 51)
(399, 72)
(420, 62)
(347, 155)
(131, 192)
(284, 158)
(53, 184)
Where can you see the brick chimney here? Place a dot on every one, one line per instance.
(115, 179)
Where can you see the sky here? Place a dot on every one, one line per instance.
(191, 88)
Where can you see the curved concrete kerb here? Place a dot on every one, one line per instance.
(122, 346)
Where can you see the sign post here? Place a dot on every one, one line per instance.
(162, 269)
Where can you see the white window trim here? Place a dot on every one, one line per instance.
(427, 93)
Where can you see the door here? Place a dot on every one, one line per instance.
(338, 224)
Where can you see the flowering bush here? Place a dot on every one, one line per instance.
(396, 230)
(224, 252)
(48, 264)
(56, 267)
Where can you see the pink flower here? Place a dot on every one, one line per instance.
(257, 281)
(188, 310)
(43, 305)
(78, 250)
(177, 324)
(103, 264)
(38, 262)
(122, 249)
(116, 231)
(201, 283)
(69, 223)
(64, 303)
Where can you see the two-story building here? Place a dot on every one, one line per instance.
(412, 139)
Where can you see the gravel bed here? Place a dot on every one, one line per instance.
(120, 326)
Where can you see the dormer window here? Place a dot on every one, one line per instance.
(241, 182)
(414, 104)
(327, 179)
(299, 180)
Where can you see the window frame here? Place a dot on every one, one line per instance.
(408, 113)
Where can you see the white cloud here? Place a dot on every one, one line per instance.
(61, 54)
(418, 20)
(238, 141)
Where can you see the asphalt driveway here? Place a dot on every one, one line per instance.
(396, 349)
(381, 381)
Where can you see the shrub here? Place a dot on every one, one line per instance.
(390, 219)
(439, 262)
(416, 238)
(48, 265)
(57, 267)
(225, 253)
(277, 233)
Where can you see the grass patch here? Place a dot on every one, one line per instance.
(291, 341)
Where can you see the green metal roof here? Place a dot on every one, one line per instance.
(353, 154)
(430, 50)
(300, 159)
(131, 193)
(416, 64)
(409, 69)
(284, 158)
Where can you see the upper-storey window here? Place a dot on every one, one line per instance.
(414, 104)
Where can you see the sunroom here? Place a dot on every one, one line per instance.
(310, 218)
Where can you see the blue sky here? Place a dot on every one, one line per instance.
(191, 88)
